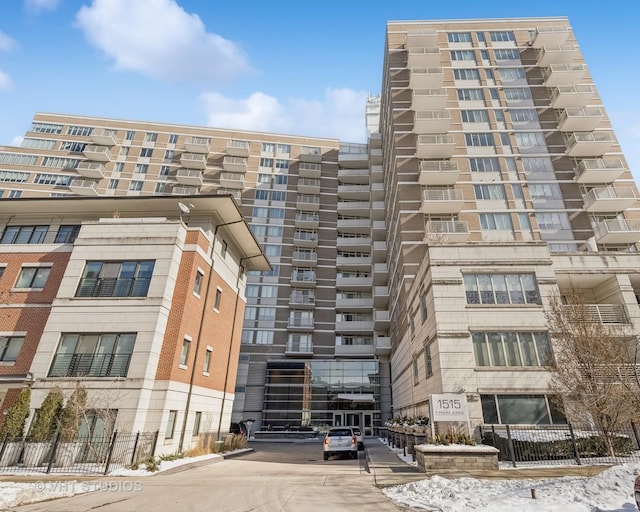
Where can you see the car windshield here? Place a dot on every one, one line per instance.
(341, 432)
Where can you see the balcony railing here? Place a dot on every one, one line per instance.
(90, 365)
(113, 287)
(598, 313)
(598, 170)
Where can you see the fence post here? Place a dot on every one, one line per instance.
(634, 428)
(111, 447)
(54, 449)
(135, 447)
(575, 445)
(155, 443)
(4, 445)
(512, 452)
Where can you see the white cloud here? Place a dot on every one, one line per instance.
(5, 80)
(340, 114)
(157, 38)
(41, 5)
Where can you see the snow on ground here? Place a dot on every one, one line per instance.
(610, 491)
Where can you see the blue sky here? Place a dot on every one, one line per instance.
(283, 66)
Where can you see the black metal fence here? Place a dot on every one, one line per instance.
(85, 455)
(568, 444)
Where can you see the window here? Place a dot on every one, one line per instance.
(284, 148)
(545, 191)
(266, 162)
(197, 285)
(10, 348)
(160, 188)
(67, 234)
(511, 74)
(173, 138)
(470, 95)
(93, 355)
(15, 193)
(459, 37)
(523, 115)
(517, 93)
(496, 221)
(300, 343)
(268, 147)
(146, 152)
(490, 164)
(530, 139)
(423, 307)
(502, 36)
(520, 409)
(278, 195)
(489, 192)
(196, 423)
(113, 184)
(216, 302)
(262, 194)
(462, 55)
(118, 167)
(150, 137)
(33, 277)
(281, 179)
(479, 139)
(224, 249)
(164, 170)
(21, 177)
(73, 147)
(130, 135)
(506, 54)
(474, 116)
(184, 352)
(46, 128)
(501, 289)
(511, 348)
(553, 221)
(428, 366)
(415, 372)
(264, 338)
(80, 131)
(2, 270)
(171, 425)
(38, 143)
(24, 235)
(466, 74)
(207, 360)
(116, 279)
(141, 169)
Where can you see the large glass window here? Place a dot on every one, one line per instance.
(520, 409)
(474, 116)
(496, 221)
(10, 348)
(24, 234)
(501, 289)
(479, 139)
(511, 348)
(33, 277)
(93, 355)
(115, 279)
(470, 95)
(466, 74)
(494, 191)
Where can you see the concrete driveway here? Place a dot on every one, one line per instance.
(276, 477)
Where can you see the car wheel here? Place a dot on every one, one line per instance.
(326, 456)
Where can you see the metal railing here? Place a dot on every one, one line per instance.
(85, 455)
(563, 444)
(90, 365)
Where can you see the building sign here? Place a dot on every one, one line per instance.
(449, 407)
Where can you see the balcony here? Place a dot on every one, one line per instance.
(617, 231)
(303, 279)
(299, 348)
(300, 324)
(309, 185)
(185, 191)
(422, 38)
(597, 170)
(307, 220)
(382, 345)
(233, 180)
(431, 121)
(103, 137)
(354, 283)
(356, 303)
(234, 164)
(192, 177)
(354, 192)
(572, 96)
(381, 320)
(353, 155)
(549, 36)
(357, 208)
(563, 74)
(355, 243)
(354, 176)
(308, 203)
(380, 296)
(446, 231)
(588, 144)
(91, 170)
(559, 54)
(90, 365)
(304, 258)
(309, 170)
(361, 263)
(428, 99)
(193, 161)
(423, 57)
(312, 154)
(300, 300)
(435, 146)
(198, 145)
(97, 153)
(353, 225)
(305, 239)
(354, 326)
(354, 350)
(438, 172)
(580, 119)
(238, 148)
(609, 199)
(426, 78)
(598, 313)
(441, 201)
(84, 187)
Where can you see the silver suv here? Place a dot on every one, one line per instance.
(340, 440)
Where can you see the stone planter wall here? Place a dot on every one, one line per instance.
(442, 458)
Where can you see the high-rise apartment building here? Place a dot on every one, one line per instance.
(422, 262)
